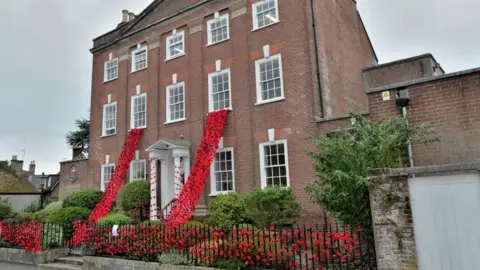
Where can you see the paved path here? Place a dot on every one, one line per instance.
(13, 266)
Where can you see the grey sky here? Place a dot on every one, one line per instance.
(45, 72)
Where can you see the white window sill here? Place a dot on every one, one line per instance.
(265, 26)
(133, 71)
(228, 109)
(174, 57)
(110, 80)
(218, 42)
(270, 101)
(110, 135)
(142, 127)
(175, 121)
(215, 194)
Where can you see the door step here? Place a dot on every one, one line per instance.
(59, 266)
(75, 260)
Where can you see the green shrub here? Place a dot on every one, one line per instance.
(52, 236)
(5, 210)
(134, 194)
(24, 217)
(156, 222)
(87, 198)
(228, 210)
(52, 207)
(173, 257)
(272, 206)
(68, 215)
(32, 207)
(115, 219)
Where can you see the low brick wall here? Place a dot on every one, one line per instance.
(102, 263)
(21, 256)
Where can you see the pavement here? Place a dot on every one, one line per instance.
(14, 266)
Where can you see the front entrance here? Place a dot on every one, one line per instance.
(170, 160)
(446, 217)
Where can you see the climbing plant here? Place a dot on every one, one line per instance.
(342, 158)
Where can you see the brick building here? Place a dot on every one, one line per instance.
(284, 68)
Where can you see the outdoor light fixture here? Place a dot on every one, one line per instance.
(273, 19)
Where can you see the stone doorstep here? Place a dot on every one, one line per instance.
(75, 260)
(59, 266)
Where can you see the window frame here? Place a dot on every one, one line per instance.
(167, 47)
(139, 50)
(103, 186)
(213, 180)
(255, 15)
(105, 70)
(263, 175)
(209, 29)
(210, 89)
(258, 62)
(167, 118)
(131, 172)
(132, 102)
(104, 133)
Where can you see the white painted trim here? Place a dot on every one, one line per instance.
(107, 159)
(271, 134)
(139, 50)
(262, 161)
(216, 15)
(209, 29)
(102, 176)
(105, 106)
(167, 46)
(266, 51)
(220, 143)
(167, 117)
(109, 98)
(174, 78)
(131, 172)
(213, 181)
(132, 122)
(174, 32)
(257, 79)
(138, 89)
(105, 79)
(218, 65)
(137, 154)
(254, 15)
(110, 56)
(210, 76)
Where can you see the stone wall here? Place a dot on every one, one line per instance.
(392, 221)
(101, 263)
(22, 256)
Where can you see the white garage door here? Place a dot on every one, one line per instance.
(446, 217)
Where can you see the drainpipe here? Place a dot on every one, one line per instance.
(317, 58)
(410, 155)
(402, 101)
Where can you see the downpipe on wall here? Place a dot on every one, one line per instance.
(402, 101)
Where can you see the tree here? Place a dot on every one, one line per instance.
(342, 159)
(80, 138)
(6, 167)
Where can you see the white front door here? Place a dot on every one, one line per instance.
(446, 217)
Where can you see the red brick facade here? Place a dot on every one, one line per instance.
(343, 48)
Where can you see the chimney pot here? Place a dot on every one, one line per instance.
(131, 16)
(14, 157)
(31, 169)
(124, 16)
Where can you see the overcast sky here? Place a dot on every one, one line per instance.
(45, 67)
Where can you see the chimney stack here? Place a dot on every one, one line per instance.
(125, 16)
(31, 168)
(17, 166)
(131, 16)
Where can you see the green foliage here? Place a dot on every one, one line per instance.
(32, 207)
(68, 215)
(7, 167)
(134, 194)
(87, 198)
(115, 219)
(230, 264)
(52, 207)
(52, 236)
(156, 222)
(341, 162)
(5, 210)
(79, 138)
(173, 257)
(227, 210)
(272, 206)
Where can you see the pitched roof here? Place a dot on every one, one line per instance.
(11, 183)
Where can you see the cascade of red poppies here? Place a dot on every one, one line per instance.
(116, 181)
(193, 188)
